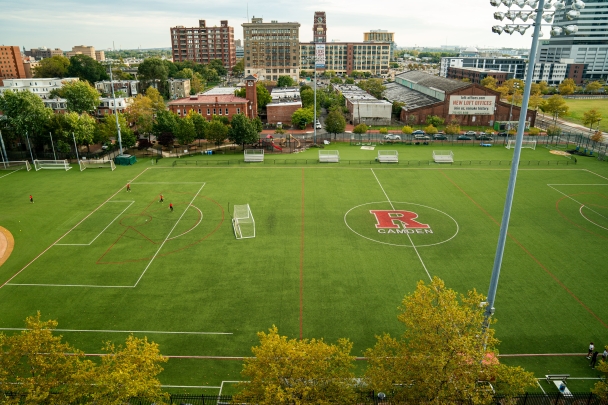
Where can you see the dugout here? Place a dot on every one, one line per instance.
(125, 160)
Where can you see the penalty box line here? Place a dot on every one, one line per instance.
(102, 231)
(8, 282)
(168, 235)
(408, 235)
(576, 201)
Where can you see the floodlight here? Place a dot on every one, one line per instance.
(573, 14)
(497, 29)
(499, 15)
(495, 3)
(520, 3)
(547, 6)
(524, 15)
(571, 29)
(511, 15)
(522, 29)
(559, 5)
(533, 3)
(507, 2)
(578, 5)
(548, 17)
(540, 34)
(556, 31)
(510, 29)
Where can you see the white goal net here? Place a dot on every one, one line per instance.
(52, 164)
(524, 144)
(96, 164)
(243, 222)
(16, 165)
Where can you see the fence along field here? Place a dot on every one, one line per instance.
(305, 270)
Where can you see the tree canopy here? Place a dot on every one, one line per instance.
(373, 87)
(24, 112)
(86, 68)
(591, 117)
(302, 117)
(80, 96)
(335, 123)
(55, 66)
(285, 81)
(566, 87)
(242, 130)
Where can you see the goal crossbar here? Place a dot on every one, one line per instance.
(15, 165)
(443, 156)
(243, 222)
(51, 164)
(96, 164)
(529, 144)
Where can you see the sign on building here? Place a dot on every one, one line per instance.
(472, 105)
(320, 56)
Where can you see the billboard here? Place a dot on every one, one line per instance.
(472, 105)
(320, 56)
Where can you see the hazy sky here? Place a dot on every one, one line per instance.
(145, 23)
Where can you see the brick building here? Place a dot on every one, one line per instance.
(43, 52)
(203, 44)
(344, 57)
(285, 101)
(475, 75)
(11, 64)
(225, 105)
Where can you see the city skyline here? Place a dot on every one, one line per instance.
(139, 24)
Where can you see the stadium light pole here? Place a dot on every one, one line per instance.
(115, 109)
(314, 124)
(540, 12)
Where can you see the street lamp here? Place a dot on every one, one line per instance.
(540, 11)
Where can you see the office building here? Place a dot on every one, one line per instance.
(344, 57)
(588, 46)
(272, 49)
(204, 43)
(515, 66)
(82, 50)
(11, 64)
(43, 52)
(381, 36)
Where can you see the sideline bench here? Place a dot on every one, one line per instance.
(554, 377)
(560, 382)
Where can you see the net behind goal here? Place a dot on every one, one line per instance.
(96, 164)
(16, 165)
(52, 164)
(524, 144)
(243, 222)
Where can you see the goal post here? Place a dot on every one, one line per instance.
(96, 164)
(16, 165)
(243, 222)
(52, 164)
(524, 144)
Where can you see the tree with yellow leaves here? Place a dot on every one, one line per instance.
(285, 371)
(445, 354)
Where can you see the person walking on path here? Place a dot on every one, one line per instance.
(31, 199)
(128, 187)
(591, 347)
(161, 199)
(171, 206)
(593, 360)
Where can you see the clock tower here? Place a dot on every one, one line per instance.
(319, 27)
(252, 96)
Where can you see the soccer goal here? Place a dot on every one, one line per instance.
(329, 156)
(443, 156)
(388, 156)
(96, 164)
(16, 165)
(243, 222)
(52, 164)
(524, 144)
(254, 155)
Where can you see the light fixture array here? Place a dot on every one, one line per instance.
(548, 13)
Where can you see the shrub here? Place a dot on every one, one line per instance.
(407, 130)
(452, 129)
(554, 130)
(430, 129)
(534, 131)
(383, 131)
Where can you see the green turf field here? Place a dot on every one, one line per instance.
(103, 261)
(580, 107)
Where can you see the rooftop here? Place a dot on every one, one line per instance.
(201, 98)
(430, 81)
(411, 98)
(220, 91)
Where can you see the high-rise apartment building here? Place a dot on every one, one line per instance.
(203, 44)
(272, 49)
(43, 52)
(344, 57)
(381, 36)
(589, 45)
(82, 50)
(319, 27)
(11, 63)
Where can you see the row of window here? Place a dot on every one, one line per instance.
(271, 31)
(238, 111)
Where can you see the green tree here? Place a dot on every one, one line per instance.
(86, 68)
(335, 123)
(434, 120)
(360, 129)
(55, 66)
(298, 372)
(567, 86)
(430, 129)
(185, 131)
(166, 123)
(242, 130)
(216, 132)
(444, 352)
(349, 80)
(397, 107)
(593, 87)
(239, 68)
(302, 117)
(591, 117)
(336, 80)
(200, 124)
(158, 104)
(308, 98)
(153, 70)
(489, 82)
(218, 66)
(407, 130)
(556, 106)
(80, 96)
(601, 387)
(263, 95)
(141, 115)
(534, 131)
(24, 112)
(373, 87)
(197, 83)
(83, 127)
(383, 131)
(452, 129)
(285, 81)
(106, 130)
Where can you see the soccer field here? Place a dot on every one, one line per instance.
(336, 249)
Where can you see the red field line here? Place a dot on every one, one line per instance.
(302, 262)
(542, 266)
(74, 227)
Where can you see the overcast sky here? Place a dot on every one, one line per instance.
(145, 23)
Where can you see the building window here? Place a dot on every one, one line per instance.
(179, 112)
(208, 111)
(220, 111)
(214, 111)
(199, 111)
(226, 111)
(238, 110)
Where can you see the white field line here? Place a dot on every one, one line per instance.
(506, 169)
(74, 227)
(169, 234)
(70, 285)
(578, 202)
(8, 174)
(580, 210)
(152, 332)
(587, 170)
(541, 388)
(191, 229)
(229, 382)
(171, 182)
(579, 184)
(408, 235)
(104, 229)
(191, 386)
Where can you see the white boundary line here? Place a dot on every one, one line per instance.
(103, 230)
(191, 229)
(8, 174)
(191, 386)
(169, 182)
(222, 386)
(583, 215)
(587, 170)
(408, 235)
(169, 234)
(128, 331)
(70, 285)
(578, 202)
(541, 388)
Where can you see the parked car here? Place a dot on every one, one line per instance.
(483, 136)
(503, 134)
(464, 138)
(418, 132)
(470, 133)
(422, 137)
(318, 125)
(392, 137)
(439, 137)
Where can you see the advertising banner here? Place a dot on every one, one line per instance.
(320, 56)
(472, 105)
